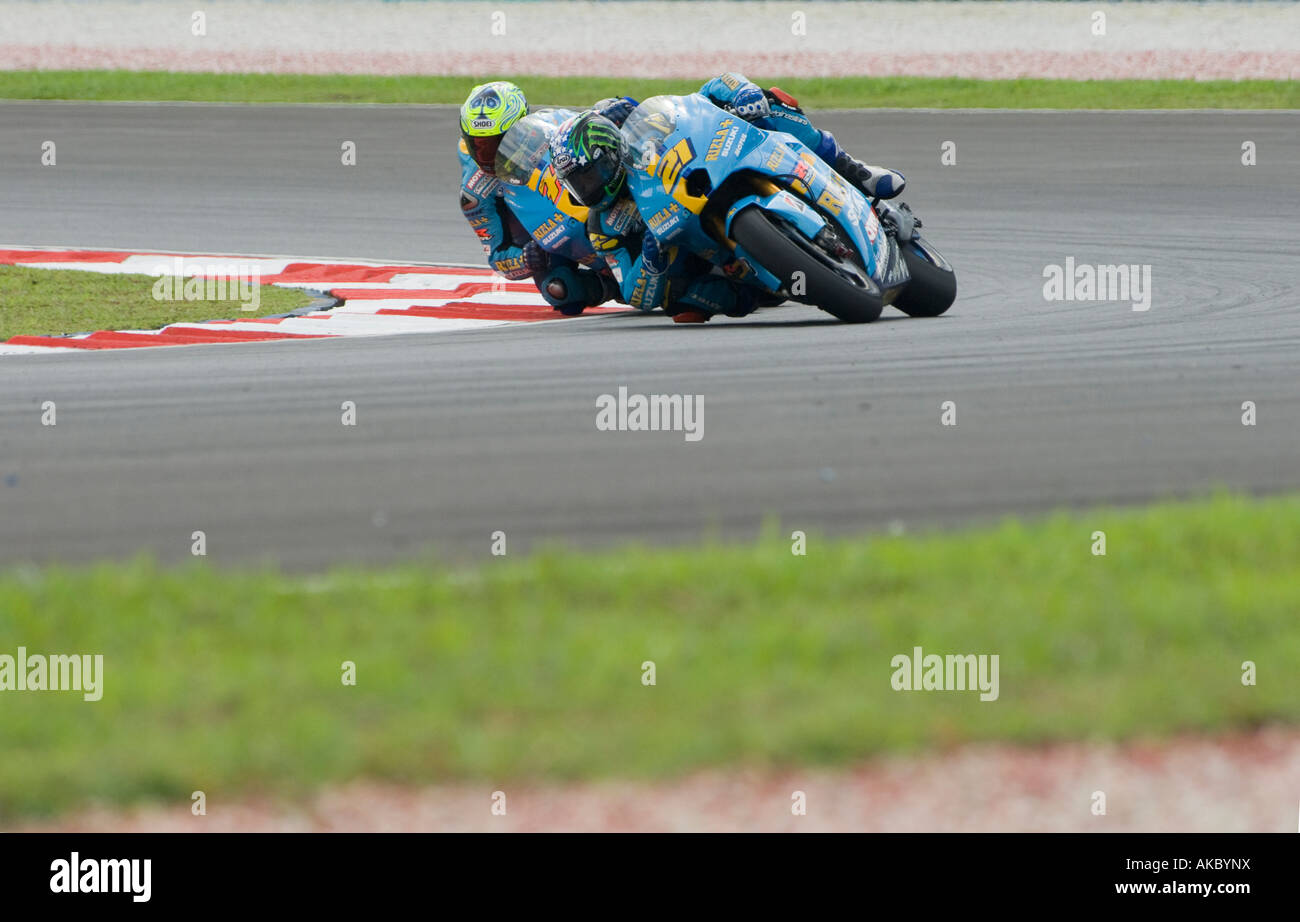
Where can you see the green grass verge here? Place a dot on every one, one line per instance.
(49, 302)
(229, 681)
(824, 92)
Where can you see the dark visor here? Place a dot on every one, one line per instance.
(586, 183)
(483, 150)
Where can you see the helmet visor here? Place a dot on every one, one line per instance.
(587, 182)
(484, 151)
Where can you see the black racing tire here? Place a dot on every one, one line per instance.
(838, 287)
(933, 287)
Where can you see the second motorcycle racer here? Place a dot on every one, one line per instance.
(590, 155)
(489, 112)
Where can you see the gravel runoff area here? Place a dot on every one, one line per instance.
(800, 39)
(1243, 783)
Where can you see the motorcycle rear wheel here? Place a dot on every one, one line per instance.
(831, 283)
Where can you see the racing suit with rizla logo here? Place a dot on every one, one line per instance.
(510, 249)
(513, 253)
(652, 275)
(774, 109)
(483, 203)
(506, 243)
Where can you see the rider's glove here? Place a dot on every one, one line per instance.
(738, 95)
(749, 102)
(535, 258)
(653, 258)
(616, 108)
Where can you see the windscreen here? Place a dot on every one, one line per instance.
(523, 149)
(647, 127)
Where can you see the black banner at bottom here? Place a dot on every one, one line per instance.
(334, 872)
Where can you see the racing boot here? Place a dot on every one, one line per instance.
(875, 181)
(744, 301)
(706, 297)
(747, 301)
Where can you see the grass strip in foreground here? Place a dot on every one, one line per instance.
(230, 681)
(818, 92)
(52, 302)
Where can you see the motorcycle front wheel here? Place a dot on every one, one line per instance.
(933, 287)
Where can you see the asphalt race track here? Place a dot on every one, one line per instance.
(830, 428)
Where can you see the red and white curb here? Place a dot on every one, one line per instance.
(379, 299)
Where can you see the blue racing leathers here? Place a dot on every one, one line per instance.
(771, 110)
(776, 110)
(651, 275)
(509, 248)
(500, 232)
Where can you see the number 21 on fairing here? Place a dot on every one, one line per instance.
(545, 183)
(670, 165)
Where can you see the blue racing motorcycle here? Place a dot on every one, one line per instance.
(739, 196)
(534, 195)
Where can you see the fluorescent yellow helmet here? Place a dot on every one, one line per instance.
(487, 114)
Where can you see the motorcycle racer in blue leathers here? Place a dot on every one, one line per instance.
(589, 156)
(776, 110)
(485, 117)
(492, 108)
(487, 114)
(654, 276)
